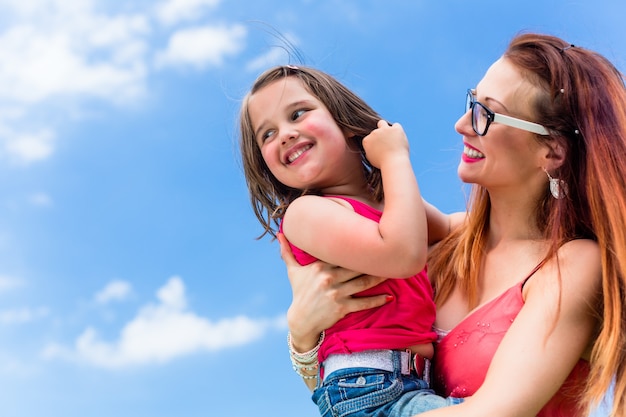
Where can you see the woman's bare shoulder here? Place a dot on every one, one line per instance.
(575, 271)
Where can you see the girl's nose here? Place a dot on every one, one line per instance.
(288, 136)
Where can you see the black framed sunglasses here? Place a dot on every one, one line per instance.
(483, 117)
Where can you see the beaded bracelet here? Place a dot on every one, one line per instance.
(306, 361)
(305, 376)
(299, 368)
(307, 357)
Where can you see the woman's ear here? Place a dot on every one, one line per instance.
(554, 156)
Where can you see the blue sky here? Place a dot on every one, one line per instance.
(130, 280)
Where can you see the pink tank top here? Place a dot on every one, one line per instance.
(401, 323)
(462, 357)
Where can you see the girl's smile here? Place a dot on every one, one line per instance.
(300, 141)
(296, 152)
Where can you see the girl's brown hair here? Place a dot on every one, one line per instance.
(268, 196)
(581, 100)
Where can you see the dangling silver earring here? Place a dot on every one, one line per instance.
(558, 188)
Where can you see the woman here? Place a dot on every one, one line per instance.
(543, 244)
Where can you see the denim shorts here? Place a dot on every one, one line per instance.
(369, 392)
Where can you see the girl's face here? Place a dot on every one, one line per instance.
(301, 143)
(506, 158)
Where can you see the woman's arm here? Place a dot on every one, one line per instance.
(440, 224)
(548, 337)
(322, 295)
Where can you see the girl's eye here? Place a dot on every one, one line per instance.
(266, 135)
(297, 113)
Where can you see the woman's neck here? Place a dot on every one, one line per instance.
(512, 220)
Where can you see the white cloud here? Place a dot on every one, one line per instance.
(285, 51)
(8, 283)
(40, 199)
(174, 11)
(22, 315)
(116, 290)
(275, 56)
(30, 147)
(162, 332)
(56, 53)
(172, 294)
(55, 50)
(202, 46)
(89, 58)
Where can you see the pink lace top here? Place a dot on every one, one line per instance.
(462, 356)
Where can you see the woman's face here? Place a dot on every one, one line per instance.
(299, 139)
(506, 158)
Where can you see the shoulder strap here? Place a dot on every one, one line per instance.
(535, 269)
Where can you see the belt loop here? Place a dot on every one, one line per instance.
(397, 363)
(426, 372)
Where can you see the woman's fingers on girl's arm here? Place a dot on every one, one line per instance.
(365, 303)
(300, 277)
(360, 283)
(329, 274)
(322, 295)
(285, 251)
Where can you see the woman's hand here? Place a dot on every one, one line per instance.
(322, 295)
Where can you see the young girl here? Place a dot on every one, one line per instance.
(304, 142)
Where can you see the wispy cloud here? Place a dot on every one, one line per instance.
(203, 46)
(116, 290)
(18, 315)
(175, 11)
(27, 147)
(40, 199)
(162, 332)
(22, 315)
(275, 56)
(8, 283)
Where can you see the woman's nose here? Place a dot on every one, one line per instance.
(464, 124)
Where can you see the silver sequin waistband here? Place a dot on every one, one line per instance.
(377, 359)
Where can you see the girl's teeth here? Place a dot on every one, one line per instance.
(297, 153)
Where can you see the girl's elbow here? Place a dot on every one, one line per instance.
(409, 265)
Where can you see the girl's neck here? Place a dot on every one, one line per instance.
(359, 193)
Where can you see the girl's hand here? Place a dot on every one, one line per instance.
(385, 143)
(322, 295)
